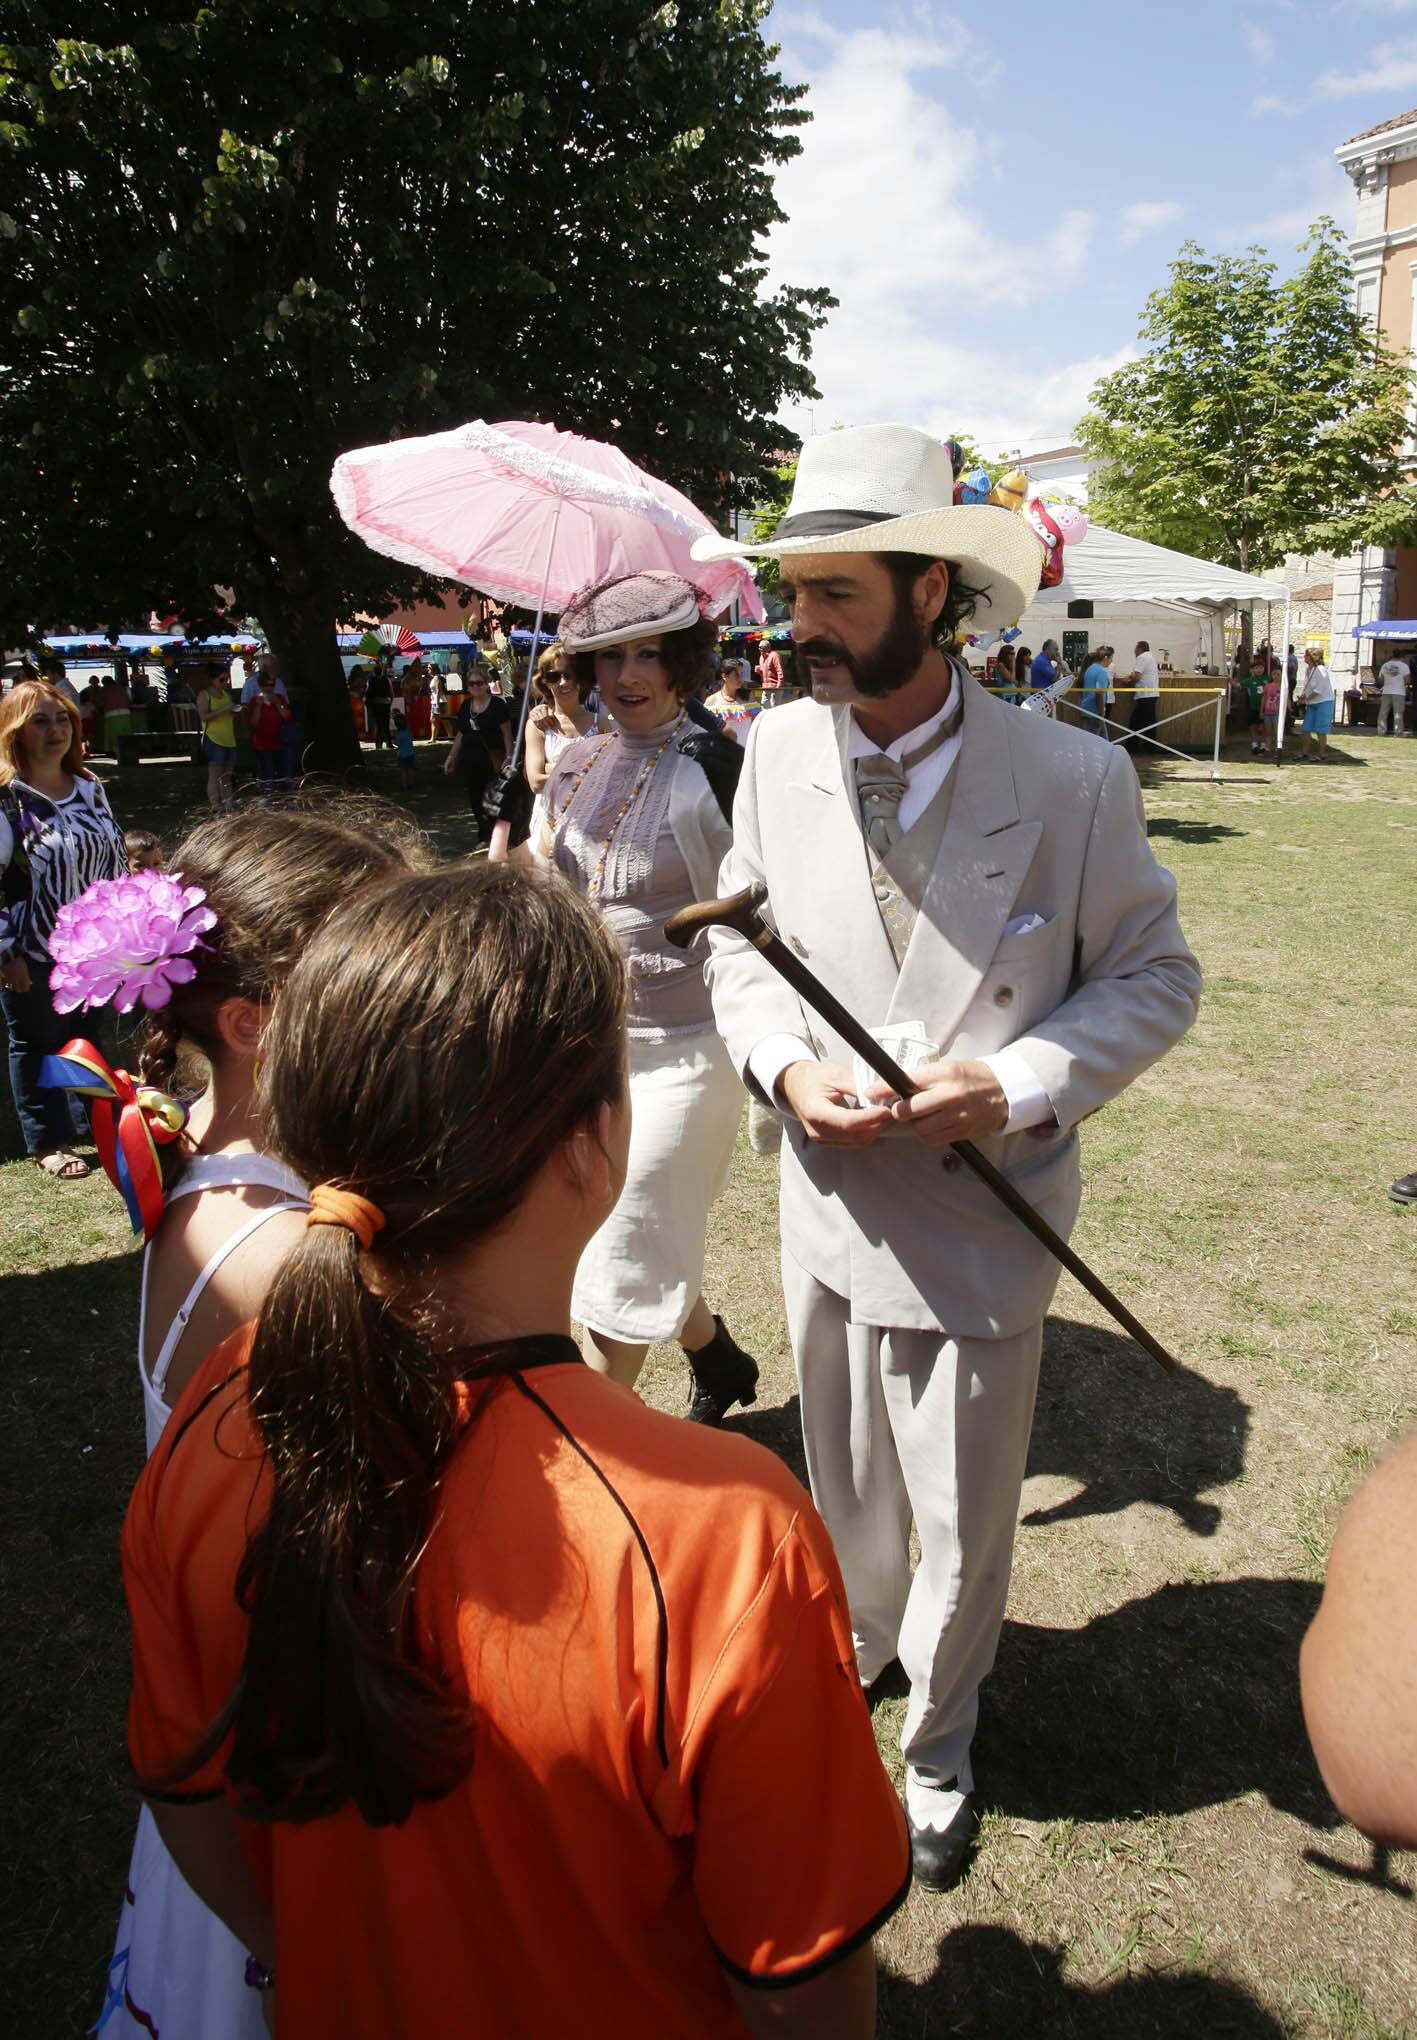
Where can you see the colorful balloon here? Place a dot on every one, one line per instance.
(1054, 525)
(1070, 520)
(1010, 489)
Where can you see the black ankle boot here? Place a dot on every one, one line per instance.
(723, 1375)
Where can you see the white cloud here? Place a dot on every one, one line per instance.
(882, 210)
(1312, 186)
(1392, 69)
(1258, 41)
(1145, 218)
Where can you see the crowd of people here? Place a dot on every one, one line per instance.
(460, 1676)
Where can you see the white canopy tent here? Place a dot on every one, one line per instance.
(1106, 567)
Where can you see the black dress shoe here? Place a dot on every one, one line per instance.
(723, 1375)
(1404, 1190)
(939, 1856)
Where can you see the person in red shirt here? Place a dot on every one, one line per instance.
(270, 722)
(460, 1677)
(771, 675)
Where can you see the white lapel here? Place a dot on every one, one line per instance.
(984, 856)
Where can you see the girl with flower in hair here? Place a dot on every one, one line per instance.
(201, 953)
(57, 836)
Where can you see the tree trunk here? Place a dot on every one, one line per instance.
(302, 636)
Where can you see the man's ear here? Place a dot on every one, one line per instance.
(241, 1023)
(931, 591)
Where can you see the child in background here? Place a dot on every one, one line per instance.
(144, 850)
(403, 750)
(269, 719)
(732, 704)
(1269, 714)
(90, 715)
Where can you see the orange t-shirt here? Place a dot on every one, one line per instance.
(675, 1768)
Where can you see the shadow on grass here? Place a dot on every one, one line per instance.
(1332, 757)
(991, 1982)
(12, 1145)
(1108, 1418)
(1182, 1699)
(74, 1446)
(1191, 832)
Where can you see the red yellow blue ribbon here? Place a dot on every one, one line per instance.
(130, 1123)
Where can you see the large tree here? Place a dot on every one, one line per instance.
(1262, 418)
(242, 236)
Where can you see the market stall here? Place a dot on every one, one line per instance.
(1116, 590)
(1188, 699)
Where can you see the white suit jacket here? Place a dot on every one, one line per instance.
(1045, 820)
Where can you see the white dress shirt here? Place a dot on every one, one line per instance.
(1028, 1102)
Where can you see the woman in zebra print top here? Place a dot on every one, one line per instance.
(57, 836)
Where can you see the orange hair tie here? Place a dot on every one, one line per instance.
(329, 1206)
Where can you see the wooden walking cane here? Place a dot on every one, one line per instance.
(742, 914)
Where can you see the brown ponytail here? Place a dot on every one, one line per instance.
(436, 1044)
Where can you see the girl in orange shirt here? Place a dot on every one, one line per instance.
(461, 1678)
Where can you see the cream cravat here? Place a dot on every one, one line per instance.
(881, 782)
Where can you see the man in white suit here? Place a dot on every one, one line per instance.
(977, 884)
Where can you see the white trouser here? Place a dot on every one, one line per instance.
(901, 1424)
(1390, 707)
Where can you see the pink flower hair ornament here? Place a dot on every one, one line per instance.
(128, 940)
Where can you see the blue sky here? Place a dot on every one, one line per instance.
(993, 191)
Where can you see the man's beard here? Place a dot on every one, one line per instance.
(893, 660)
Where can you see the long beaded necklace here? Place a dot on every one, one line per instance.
(603, 750)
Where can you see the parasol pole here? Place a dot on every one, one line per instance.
(502, 831)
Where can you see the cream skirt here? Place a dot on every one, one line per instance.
(641, 1274)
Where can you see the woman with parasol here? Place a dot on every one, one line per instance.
(638, 821)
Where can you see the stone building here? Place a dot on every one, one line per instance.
(1382, 162)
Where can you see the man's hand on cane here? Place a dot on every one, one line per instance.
(956, 1101)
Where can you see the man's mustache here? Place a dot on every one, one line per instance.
(823, 648)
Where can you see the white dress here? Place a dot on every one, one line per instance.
(177, 1973)
(641, 1274)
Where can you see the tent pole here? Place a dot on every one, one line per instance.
(1284, 679)
(536, 632)
(1219, 717)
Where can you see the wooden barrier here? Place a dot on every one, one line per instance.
(1188, 696)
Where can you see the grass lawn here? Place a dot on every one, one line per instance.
(1159, 1857)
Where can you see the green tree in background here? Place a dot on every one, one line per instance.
(241, 238)
(1261, 420)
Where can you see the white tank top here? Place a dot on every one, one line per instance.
(208, 1172)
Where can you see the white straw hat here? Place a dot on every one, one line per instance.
(890, 488)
